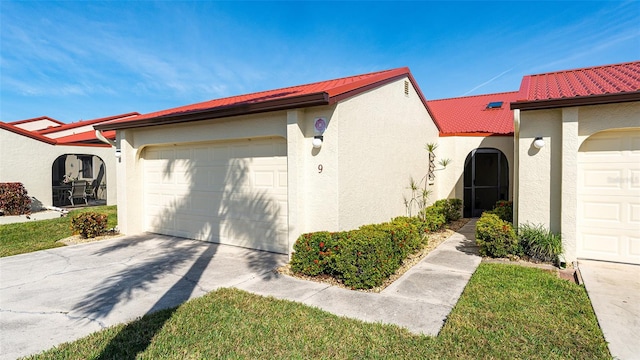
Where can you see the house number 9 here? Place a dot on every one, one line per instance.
(319, 168)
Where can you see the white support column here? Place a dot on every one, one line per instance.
(130, 211)
(295, 140)
(516, 165)
(569, 209)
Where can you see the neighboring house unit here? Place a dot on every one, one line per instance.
(244, 170)
(581, 177)
(42, 152)
(36, 124)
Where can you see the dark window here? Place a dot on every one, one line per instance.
(495, 105)
(87, 166)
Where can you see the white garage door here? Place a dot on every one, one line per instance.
(609, 197)
(225, 192)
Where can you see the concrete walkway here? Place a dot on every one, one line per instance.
(58, 295)
(420, 300)
(614, 291)
(40, 215)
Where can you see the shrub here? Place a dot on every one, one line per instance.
(450, 208)
(14, 199)
(367, 257)
(495, 237)
(504, 210)
(313, 253)
(434, 218)
(89, 224)
(539, 242)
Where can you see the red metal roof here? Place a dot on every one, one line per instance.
(470, 116)
(86, 122)
(27, 133)
(319, 93)
(597, 80)
(86, 138)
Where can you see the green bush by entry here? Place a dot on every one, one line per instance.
(450, 208)
(89, 224)
(495, 237)
(504, 210)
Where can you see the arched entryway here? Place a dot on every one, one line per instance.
(70, 168)
(486, 180)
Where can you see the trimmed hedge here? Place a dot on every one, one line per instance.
(315, 253)
(495, 237)
(366, 257)
(14, 199)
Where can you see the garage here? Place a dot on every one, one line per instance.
(609, 197)
(229, 192)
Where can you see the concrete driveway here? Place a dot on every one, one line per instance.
(614, 290)
(49, 297)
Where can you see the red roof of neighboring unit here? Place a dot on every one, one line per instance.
(86, 138)
(27, 133)
(598, 84)
(470, 115)
(18, 122)
(86, 122)
(319, 93)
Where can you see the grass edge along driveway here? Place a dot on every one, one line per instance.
(25, 237)
(506, 312)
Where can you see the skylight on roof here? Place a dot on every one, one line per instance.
(495, 105)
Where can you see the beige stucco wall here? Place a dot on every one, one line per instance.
(547, 178)
(449, 180)
(30, 162)
(380, 140)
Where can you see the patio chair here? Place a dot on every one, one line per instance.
(78, 190)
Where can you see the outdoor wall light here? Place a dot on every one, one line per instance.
(118, 153)
(538, 143)
(317, 141)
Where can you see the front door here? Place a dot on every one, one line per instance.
(486, 180)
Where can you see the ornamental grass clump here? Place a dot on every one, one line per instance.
(539, 242)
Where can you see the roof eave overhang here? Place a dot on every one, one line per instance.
(308, 100)
(576, 101)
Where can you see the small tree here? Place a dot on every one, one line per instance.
(420, 191)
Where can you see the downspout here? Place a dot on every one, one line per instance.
(516, 165)
(104, 139)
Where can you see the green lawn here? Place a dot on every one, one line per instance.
(506, 312)
(31, 236)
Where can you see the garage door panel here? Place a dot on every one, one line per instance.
(227, 192)
(602, 211)
(609, 197)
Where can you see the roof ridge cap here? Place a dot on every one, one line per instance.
(585, 68)
(472, 96)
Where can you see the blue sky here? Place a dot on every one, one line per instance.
(75, 60)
